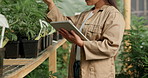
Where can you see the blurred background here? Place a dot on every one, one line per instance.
(132, 59)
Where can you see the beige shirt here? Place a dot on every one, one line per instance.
(82, 26)
(105, 31)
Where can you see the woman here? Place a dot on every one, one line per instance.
(103, 25)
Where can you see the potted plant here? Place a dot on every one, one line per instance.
(12, 47)
(3, 25)
(23, 16)
(46, 33)
(28, 30)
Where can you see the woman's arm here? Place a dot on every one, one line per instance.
(55, 15)
(49, 3)
(111, 38)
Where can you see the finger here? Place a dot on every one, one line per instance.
(65, 31)
(62, 33)
(73, 33)
(65, 35)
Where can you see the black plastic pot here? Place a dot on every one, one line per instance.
(43, 43)
(2, 52)
(60, 36)
(12, 49)
(31, 48)
(46, 41)
(50, 39)
(56, 36)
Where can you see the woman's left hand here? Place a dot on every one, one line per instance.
(72, 37)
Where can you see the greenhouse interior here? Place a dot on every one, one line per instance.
(30, 47)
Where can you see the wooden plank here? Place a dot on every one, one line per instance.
(53, 56)
(59, 43)
(18, 61)
(127, 13)
(137, 5)
(53, 62)
(137, 12)
(145, 7)
(22, 72)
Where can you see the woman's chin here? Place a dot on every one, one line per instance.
(88, 4)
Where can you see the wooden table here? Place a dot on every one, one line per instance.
(20, 67)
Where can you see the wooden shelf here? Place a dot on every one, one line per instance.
(20, 67)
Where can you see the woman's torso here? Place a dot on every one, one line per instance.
(93, 30)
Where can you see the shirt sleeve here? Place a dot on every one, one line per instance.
(55, 15)
(111, 38)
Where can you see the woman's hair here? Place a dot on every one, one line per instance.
(113, 3)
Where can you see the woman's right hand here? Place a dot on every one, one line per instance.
(49, 2)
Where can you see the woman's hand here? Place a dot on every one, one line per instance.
(71, 36)
(50, 3)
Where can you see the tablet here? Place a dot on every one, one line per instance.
(68, 25)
